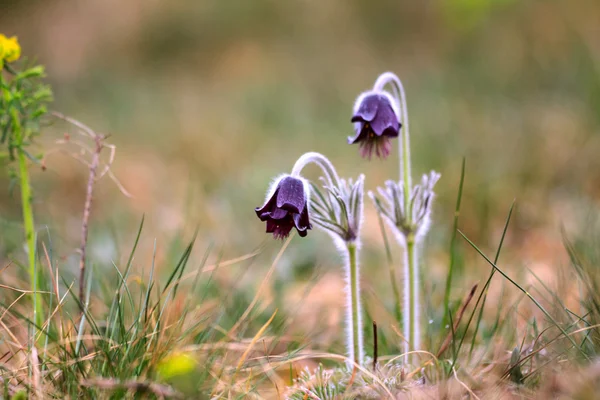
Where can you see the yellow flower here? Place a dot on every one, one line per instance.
(10, 50)
(176, 364)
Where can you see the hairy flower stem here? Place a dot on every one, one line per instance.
(404, 144)
(411, 296)
(354, 332)
(29, 227)
(355, 337)
(411, 281)
(411, 267)
(323, 163)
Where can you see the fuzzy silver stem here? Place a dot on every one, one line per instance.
(354, 333)
(323, 162)
(412, 314)
(404, 144)
(412, 299)
(349, 249)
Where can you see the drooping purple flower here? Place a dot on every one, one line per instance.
(286, 207)
(375, 122)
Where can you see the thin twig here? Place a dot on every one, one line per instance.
(87, 208)
(94, 175)
(116, 181)
(84, 128)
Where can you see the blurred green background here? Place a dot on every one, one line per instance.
(208, 100)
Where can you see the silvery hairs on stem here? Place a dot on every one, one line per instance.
(414, 221)
(337, 209)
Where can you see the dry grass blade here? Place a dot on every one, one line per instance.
(254, 340)
(262, 286)
(463, 384)
(221, 264)
(22, 290)
(432, 359)
(35, 373)
(6, 266)
(11, 305)
(459, 317)
(338, 357)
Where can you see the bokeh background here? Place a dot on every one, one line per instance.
(208, 100)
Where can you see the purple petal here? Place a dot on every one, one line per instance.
(264, 211)
(385, 120)
(291, 196)
(391, 131)
(278, 213)
(367, 109)
(360, 135)
(302, 222)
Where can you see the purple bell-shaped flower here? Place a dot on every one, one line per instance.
(286, 207)
(375, 122)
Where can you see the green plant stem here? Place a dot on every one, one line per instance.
(354, 295)
(28, 224)
(30, 236)
(411, 285)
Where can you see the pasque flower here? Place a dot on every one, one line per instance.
(376, 120)
(337, 209)
(286, 207)
(406, 208)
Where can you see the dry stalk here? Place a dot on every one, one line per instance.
(93, 175)
(87, 208)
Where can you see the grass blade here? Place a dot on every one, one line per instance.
(484, 291)
(447, 310)
(525, 292)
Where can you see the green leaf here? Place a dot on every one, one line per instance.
(516, 375)
(34, 72)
